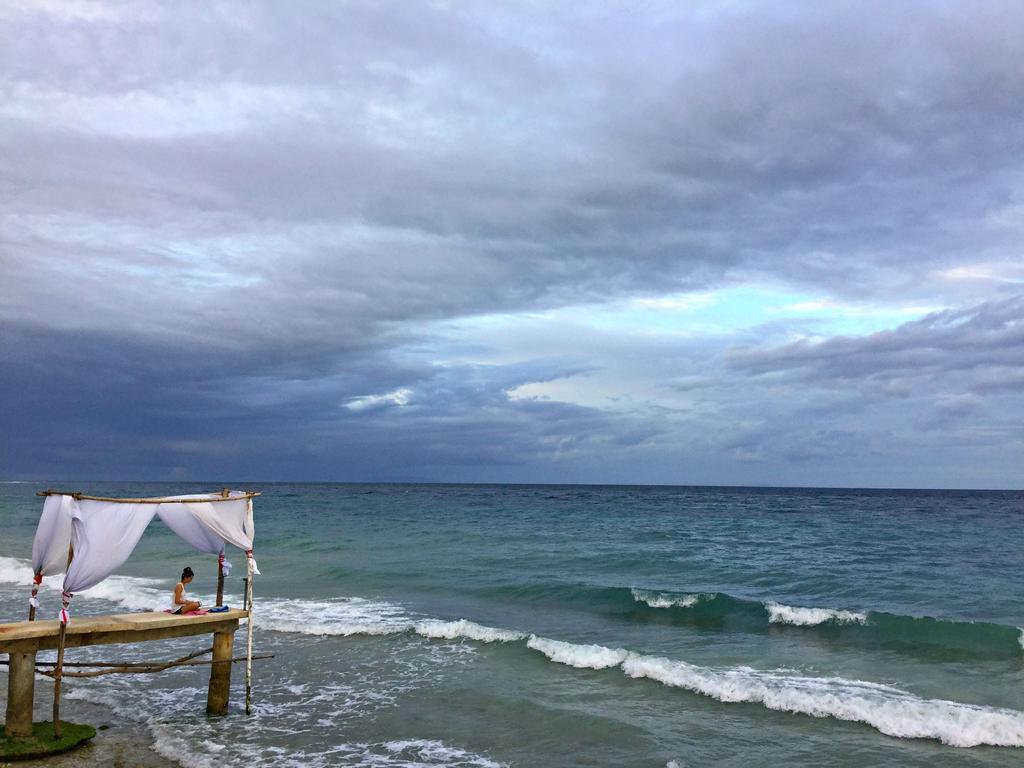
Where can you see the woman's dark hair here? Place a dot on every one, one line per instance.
(187, 573)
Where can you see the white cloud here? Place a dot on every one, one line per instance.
(399, 397)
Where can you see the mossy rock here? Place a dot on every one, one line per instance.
(41, 743)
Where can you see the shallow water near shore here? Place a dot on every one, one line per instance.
(421, 625)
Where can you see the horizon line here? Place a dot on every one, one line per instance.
(221, 484)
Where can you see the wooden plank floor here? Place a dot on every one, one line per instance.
(114, 628)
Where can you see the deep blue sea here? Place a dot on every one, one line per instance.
(475, 625)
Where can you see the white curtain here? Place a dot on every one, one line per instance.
(180, 519)
(53, 536)
(105, 535)
(231, 520)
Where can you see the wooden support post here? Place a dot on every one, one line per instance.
(220, 580)
(220, 674)
(21, 683)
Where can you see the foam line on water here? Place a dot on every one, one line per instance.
(892, 711)
(778, 613)
(664, 599)
(451, 630)
(908, 633)
(358, 616)
(809, 617)
(580, 656)
(135, 593)
(341, 616)
(432, 752)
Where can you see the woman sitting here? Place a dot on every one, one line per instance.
(180, 602)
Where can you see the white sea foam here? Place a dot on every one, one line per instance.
(358, 616)
(892, 711)
(1021, 638)
(665, 599)
(888, 709)
(451, 630)
(432, 752)
(335, 616)
(342, 616)
(807, 617)
(582, 656)
(174, 743)
(131, 592)
(15, 571)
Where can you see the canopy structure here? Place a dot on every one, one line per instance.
(89, 537)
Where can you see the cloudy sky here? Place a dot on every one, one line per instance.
(660, 242)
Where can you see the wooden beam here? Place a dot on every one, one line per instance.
(27, 636)
(199, 498)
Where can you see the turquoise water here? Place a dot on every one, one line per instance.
(590, 626)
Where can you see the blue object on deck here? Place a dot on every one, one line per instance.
(219, 609)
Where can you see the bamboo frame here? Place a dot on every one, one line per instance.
(248, 628)
(58, 670)
(139, 667)
(122, 663)
(220, 581)
(198, 499)
(135, 669)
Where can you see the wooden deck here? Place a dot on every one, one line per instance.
(22, 640)
(27, 636)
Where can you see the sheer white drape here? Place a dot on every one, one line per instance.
(232, 521)
(53, 536)
(181, 519)
(105, 535)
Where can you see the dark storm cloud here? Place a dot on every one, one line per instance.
(166, 411)
(978, 347)
(236, 217)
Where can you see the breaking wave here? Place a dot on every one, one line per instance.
(810, 617)
(890, 710)
(346, 616)
(579, 656)
(665, 599)
(935, 638)
(134, 593)
(932, 637)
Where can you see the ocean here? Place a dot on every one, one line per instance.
(498, 625)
